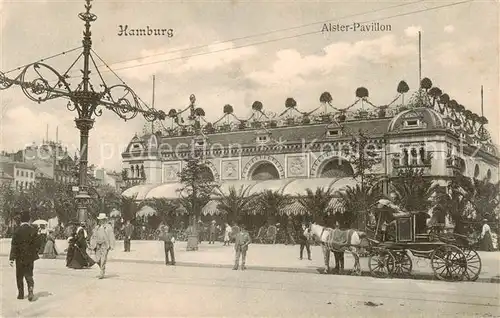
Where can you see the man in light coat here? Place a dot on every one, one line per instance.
(102, 241)
(242, 240)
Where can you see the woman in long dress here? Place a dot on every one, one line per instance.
(486, 240)
(80, 259)
(50, 250)
(227, 233)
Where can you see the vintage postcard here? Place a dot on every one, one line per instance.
(249, 158)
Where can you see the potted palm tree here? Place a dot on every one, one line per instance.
(271, 203)
(357, 202)
(362, 93)
(382, 111)
(402, 89)
(316, 203)
(235, 204)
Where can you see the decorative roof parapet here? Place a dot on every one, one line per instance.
(457, 118)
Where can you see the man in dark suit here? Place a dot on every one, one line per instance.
(128, 229)
(24, 251)
(168, 238)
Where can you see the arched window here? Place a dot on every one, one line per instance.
(137, 171)
(405, 157)
(476, 171)
(132, 170)
(488, 175)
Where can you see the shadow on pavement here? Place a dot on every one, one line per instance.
(41, 295)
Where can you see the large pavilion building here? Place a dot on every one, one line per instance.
(297, 150)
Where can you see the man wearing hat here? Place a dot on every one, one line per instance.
(128, 229)
(242, 240)
(24, 251)
(102, 241)
(213, 228)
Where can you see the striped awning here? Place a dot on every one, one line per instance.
(336, 205)
(294, 208)
(210, 208)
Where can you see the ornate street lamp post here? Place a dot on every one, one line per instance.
(85, 99)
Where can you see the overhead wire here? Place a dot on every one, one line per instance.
(266, 33)
(287, 37)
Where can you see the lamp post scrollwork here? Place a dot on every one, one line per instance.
(40, 82)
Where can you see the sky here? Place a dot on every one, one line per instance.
(237, 52)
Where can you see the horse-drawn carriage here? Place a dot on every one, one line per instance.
(452, 256)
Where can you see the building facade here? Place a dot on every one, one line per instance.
(51, 160)
(22, 175)
(299, 149)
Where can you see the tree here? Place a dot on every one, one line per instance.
(413, 189)
(195, 193)
(290, 103)
(235, 204)
(8, 200)
(325, 98)
(454, 200)
(129, 207)
(357, 202)
(486, 199)
(167, 209)
(271, 203)
(316, 203)
(359, 199)
(402, 89)
(362, 159)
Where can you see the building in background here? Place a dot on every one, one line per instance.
(108, 178)
(310, 148)
(5, 178)
(22, 174)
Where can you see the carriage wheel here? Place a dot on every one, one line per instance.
(473, 264)
(378, 263)
(402, 264)
(448, 263)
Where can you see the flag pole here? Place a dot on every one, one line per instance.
(482, 101)
(419, 57)
(153, 105)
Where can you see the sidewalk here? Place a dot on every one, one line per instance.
(260, 257)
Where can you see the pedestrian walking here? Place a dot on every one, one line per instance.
(242, 240)
(168, 239)
(24, 249)
(486, 241)
(128, 229)
(102, 241)
(227, 233)
(50, 250)
(305, 239)
(42, 237)
(213, 231)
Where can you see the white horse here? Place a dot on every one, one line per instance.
(339, 242)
